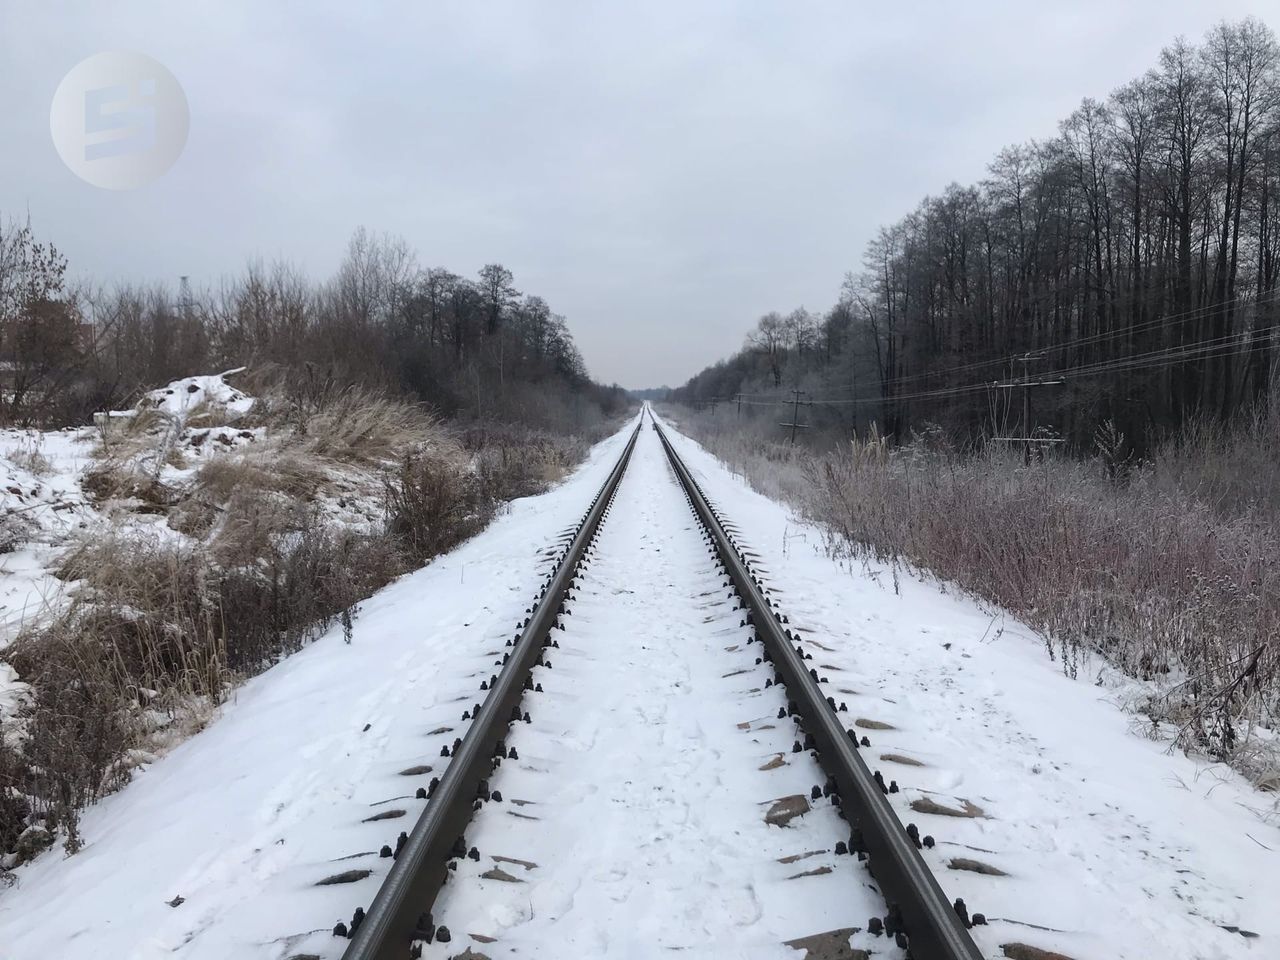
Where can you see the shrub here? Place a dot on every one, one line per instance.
(156, 629)
(521, 463)
(432, 504)
(360, 426)
(1154, 580)
(1170, 570)
(276, 604)
(75, 729)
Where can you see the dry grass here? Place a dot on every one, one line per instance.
(158, 627)
(432, 505)
(113, 480)
(754, 449)
(364, 427)
(1168, 569)
(1156, 581)
(1233, 471)
(131, 455)
(208, 413)
(30, 459)
(253, 523)
(446, 493)
(350, 424)
(151, 607)
(521, 463)
(266, 468)
(161, 627)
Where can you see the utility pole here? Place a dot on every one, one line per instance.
(738, 397)
(853, 400)
(1026, 408)
(1025, 383)
(795, 423)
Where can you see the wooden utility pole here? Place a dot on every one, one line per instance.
(1025, 383)
(853, 401)
(1026, 408)
(738, 397)
(795, 423)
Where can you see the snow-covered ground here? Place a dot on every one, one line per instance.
(42, 510)
(651, 801)
(1118, 846)
(242, 820)
(42, 506)
(50, 504)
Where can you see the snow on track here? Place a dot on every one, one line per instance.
(1121, 847)
(633, 822)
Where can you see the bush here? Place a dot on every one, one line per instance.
(1153, 580)
(146, 609)
(162, 627)
(521, 463)
(355, 425)
(436, 499)
(75, 731)
(274, 606)
(1170, 570)
(157, 629)
(432, 504)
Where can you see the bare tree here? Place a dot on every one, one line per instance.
(769, 337)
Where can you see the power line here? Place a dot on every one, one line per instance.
(1092, 339)
(1206, 349)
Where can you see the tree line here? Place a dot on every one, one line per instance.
(1127, 266)
(474, 348)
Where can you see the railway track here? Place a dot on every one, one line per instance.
(408, 914)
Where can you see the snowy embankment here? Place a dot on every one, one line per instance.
(1126, 847)
(48, 501)
(42, 506)
(651, 834)
(214, 850)
(152, 560)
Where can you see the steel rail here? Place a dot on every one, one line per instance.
(397, 916)
(931, 923)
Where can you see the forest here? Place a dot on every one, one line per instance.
(167, 533)
(472, 349)
(1124, 272)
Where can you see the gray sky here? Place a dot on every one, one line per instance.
(661, 173)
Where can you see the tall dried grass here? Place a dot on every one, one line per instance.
(432, 505)
(1169, 569)
(253, 572)
(516, 462)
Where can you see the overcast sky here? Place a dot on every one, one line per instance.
(662, 174)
